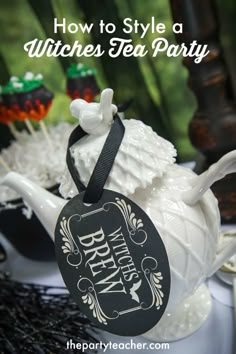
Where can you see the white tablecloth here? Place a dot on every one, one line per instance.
(214, 337)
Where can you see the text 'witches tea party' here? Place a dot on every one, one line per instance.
(116, 46)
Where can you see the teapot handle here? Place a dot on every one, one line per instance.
(226, 249)
(226, 165)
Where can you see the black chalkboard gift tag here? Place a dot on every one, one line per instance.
(110, 254)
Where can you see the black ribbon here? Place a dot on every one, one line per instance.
(104, 164)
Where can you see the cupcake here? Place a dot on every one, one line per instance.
(25, 97)
(81, 82)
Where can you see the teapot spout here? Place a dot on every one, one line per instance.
(46, 206)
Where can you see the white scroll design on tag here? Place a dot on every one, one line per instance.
(133, 224)
(91, 299)
(153, 279)
(74, 257)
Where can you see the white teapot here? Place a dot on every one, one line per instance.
(180, 204)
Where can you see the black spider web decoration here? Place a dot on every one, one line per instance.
(40, 319)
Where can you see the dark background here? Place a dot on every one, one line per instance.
(157, 85)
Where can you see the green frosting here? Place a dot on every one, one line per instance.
(80, 70)
(21, 84)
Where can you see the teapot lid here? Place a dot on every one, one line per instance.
(142, 156)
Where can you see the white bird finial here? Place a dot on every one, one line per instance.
(95, 118)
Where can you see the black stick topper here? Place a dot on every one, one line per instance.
(110, 254)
